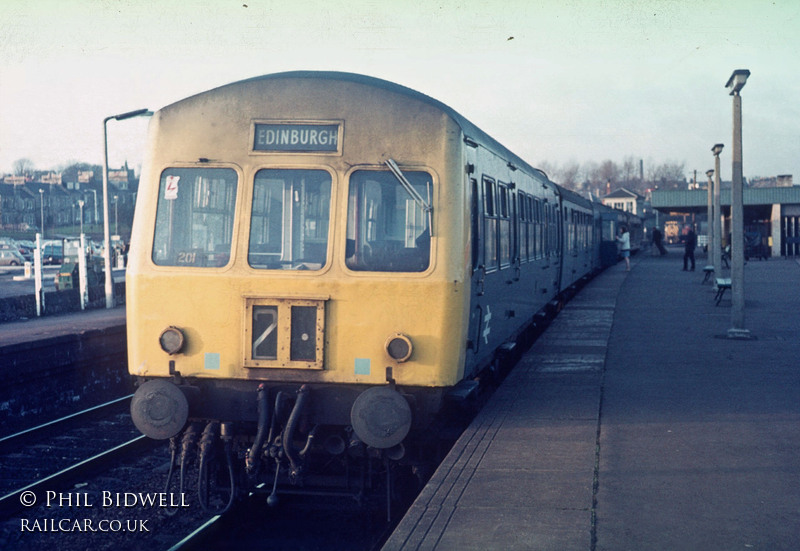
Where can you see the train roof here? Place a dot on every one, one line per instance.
(470, 130)
(574, 197)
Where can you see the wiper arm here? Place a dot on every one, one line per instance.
(418, 199)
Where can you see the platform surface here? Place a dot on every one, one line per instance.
(45, 327)
(635, 423)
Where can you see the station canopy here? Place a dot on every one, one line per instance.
(758, 202)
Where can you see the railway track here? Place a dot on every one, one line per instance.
(23, 437)
(93, 475)
(49, 456)
(302, 523)
(80, 469)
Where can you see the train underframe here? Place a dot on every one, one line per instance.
(245, 437)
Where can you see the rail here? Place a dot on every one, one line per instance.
(15, 500)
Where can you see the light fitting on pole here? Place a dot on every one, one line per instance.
(109, 283)
(131, 114)
(717, 149)
(737, 81)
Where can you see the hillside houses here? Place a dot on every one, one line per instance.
(55, 197)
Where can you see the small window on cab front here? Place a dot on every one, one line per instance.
(194, 217)
(284, 332)
(388, 230)
(290, 219)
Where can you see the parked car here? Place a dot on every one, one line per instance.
(11, 257)
(52, 253)
(11, 246)
(25, 250)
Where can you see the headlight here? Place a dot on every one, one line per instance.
(399, 347)
(171, 340)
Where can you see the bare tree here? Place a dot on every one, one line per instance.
(566, 176)
(629, 172)
(22, 167)
(669, 175)
(592, 179)
(608, 172)
(603, 178)
(569, 175)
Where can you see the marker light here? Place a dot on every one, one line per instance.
(399, 347)
(171, 340)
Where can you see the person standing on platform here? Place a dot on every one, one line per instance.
(624, 240)
(691, 244)
(658, 241)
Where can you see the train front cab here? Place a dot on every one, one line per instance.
(293, 269)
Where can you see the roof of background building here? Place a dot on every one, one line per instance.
(622, 193)
(675, 200)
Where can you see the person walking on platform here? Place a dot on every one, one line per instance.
(624, 240)
(691, 244)
(658, 241)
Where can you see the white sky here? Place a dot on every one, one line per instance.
(581, 80)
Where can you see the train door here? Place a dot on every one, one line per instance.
(558, 245)
(478, 266)
(516, 255)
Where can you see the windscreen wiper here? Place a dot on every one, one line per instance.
(418, 199)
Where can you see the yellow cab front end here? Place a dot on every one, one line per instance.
(295, 234)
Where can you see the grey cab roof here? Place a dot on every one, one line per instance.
(470, 130)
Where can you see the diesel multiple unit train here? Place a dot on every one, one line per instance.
(322, 262)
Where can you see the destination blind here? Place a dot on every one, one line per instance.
(298, 138)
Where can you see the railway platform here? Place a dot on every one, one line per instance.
(55, 326)
(634, 422)
(52, 365)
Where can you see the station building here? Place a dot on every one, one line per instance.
(771, 216)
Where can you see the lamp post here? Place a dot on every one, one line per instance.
(716, 150)
(710, 219)
(41, 201)
(96, 217)
(116, 217)
(736, 82)
(80, 207)
(109, 287)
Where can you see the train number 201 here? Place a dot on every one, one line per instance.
(187, 258)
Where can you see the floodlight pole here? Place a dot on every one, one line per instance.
(80, 206)
(737, 331)
(710, 219)
(41, 201)
(717, 149)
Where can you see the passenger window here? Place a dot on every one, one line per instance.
(387, 230)
(504, 225)
(194, 217)
(290, 219)
(490, 225)
(488, 197)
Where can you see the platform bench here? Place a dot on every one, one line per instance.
(723, 283)
(709, 271)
